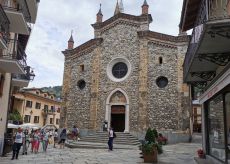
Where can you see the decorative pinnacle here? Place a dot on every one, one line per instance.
(71, 37)
(99, 12)
(145, 3)
(121, 6)
(117, 9)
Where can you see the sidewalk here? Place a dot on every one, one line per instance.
(173, 154)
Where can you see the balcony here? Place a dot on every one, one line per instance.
(33, 9)
(22, 80)
(48, 112)
(18, 15)
(13, 59)
(209, 48)
(4, 29)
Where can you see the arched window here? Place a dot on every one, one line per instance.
(160, 60)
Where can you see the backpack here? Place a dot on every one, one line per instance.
(114, 135)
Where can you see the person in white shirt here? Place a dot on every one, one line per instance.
(110, 141)
(19, 137)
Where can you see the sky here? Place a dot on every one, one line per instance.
(56, 19)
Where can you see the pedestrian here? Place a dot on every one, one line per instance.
(55, 137)
(110, 141)
(26, 142)
(36, 140)
(19, 137)
(75, 133)
(63, 137)
(45, 138)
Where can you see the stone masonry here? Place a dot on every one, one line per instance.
(150, 55)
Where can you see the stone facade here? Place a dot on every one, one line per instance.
(148, 56)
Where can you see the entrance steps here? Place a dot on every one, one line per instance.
(102, 137)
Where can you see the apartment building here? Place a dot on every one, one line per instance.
(16, 17)
(207, 66)
(37, 107)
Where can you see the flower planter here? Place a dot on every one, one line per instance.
(201, 155)
(151, 157)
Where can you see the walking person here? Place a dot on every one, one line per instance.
(19, 137)
(63, 137)
(110, 141)
(55, 137)
(36, 140)
(45, 138)
(26, 142)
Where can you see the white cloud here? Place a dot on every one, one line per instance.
(56, 18)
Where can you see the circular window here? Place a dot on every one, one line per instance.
(162, 82)
(119, 70)
(81, 84)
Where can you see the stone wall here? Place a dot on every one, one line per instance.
(150, 106)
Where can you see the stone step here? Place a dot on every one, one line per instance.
(91, 145)
(102, 137)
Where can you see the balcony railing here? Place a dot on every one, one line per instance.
(196, 35)
(48, 111)
(14, 52)
(19, 6)
(21, 77)
(4, 26)
(218, 9)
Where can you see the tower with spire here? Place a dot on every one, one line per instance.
(99, 16)
(145, 8)
(71, 42)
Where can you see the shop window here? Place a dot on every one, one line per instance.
(29, 104)
(216, 128)
(36, 119)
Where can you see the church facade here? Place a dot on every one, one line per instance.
(128, 76)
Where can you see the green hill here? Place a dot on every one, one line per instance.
(55, 89)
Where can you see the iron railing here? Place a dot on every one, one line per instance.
(28, 76)
(210, 10)
(4, 26)
(25, 77)
(14, 52)
(19, 6)
(196, 36)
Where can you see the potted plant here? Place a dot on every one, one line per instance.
(150, 152)
(200, 153)
(149, 147)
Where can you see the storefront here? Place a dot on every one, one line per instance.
(216, 105)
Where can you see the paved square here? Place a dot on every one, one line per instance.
(173, 154)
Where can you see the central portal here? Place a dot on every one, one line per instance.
(118, 118)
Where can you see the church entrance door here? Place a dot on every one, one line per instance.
(118, 118)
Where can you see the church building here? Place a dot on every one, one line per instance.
(127, 76)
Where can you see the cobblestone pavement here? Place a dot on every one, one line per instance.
(182, 153)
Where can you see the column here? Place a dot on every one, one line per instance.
(126, 118)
